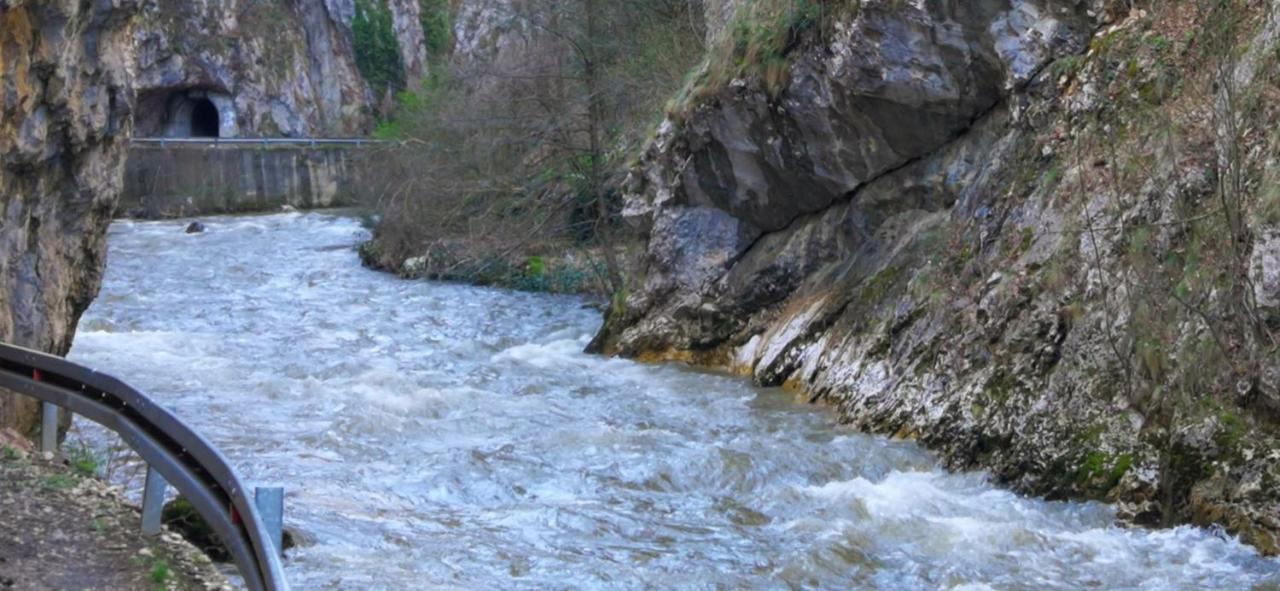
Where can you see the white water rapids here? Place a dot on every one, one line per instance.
(432, 435)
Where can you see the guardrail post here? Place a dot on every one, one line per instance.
(48, 427)
(152, 502)
(270, 502)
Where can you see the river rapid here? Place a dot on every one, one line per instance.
(431, 435)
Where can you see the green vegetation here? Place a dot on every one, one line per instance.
(377, 51)
(159, 571)
(8, 453)
(59, 481)
(437, 26)
(83, 460)
(515, 163)
(759, 42)
(1101, 471)
(1268, 211)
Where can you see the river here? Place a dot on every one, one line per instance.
(433, 435)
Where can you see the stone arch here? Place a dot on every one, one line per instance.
(185, 113)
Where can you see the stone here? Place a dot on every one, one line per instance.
(1265, 272)
(269, 68)
(195, 228)
(63, 140)
(895, 231)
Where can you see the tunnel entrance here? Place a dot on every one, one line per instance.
(204, 119)
(185, 113)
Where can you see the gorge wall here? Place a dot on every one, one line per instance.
(967, 224)
(251, 69)
(269, 68)
(66, 113)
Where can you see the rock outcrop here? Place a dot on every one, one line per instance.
(270, 68)
(956, 223)
(66, 113)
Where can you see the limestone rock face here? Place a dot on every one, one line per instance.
(899, 231)
(271, 68)
(1266, 272)
(66, 114)
(895, 84)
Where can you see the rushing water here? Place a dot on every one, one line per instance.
(434, 435)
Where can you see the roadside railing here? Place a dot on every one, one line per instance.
(244, 141)
(175, 454)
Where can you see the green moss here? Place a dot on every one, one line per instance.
(1028, 235)
(1099, 472)
(1091, 434)
(1118, 469)
(1102, 43)
(1049, 181)
(1268, 211)
(1000, 387)
(1068, 66)
(1230, 433)
(534, 267)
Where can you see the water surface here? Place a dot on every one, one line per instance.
(443, 436)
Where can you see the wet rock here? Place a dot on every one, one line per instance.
(195, 228)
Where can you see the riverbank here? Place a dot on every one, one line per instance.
(436, 434)
(65, 529)
(1070, 278)
(562, 268)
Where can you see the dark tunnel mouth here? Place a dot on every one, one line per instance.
(204, 119)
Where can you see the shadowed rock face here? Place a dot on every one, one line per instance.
(66, 113)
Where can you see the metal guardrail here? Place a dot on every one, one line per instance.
(173, 452)
(243, 141)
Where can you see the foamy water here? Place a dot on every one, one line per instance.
(443, 436)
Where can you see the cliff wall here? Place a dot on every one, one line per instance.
(66, 113)
(270, 68)
(1038, 236)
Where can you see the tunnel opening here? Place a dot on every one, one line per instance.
(184, 113)
(204, 119)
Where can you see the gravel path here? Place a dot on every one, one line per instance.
(60, 529)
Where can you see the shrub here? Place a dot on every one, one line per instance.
(377, 51)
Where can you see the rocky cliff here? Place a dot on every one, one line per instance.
(1038, 236)
(270, 68)
(67, 113)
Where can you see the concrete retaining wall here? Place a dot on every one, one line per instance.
(179, 180)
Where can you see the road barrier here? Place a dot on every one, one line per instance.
(175, 454)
